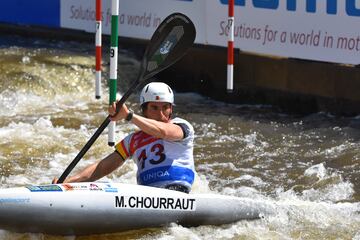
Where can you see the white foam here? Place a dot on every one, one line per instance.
(175, 232)
(318, 170)
(254, 180)
(332, 193)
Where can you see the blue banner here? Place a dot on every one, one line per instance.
(34, 12)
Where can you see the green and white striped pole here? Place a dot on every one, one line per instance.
(113, 64)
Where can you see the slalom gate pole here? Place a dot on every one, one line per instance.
(113, 64)
(98, 49)
(230, 60)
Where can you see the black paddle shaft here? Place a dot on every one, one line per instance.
(169, 43)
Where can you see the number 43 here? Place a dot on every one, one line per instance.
(158, 150)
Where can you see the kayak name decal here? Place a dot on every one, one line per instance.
(157, 203)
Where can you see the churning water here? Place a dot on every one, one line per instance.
(305, 166)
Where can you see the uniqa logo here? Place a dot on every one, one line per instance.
(155, 175)
(166, 48)
(351, 8)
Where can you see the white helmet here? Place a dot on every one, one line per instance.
(156, 92)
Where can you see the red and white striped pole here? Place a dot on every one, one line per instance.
(98, 33)
(230, 65)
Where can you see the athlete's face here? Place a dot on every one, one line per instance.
(160, 111)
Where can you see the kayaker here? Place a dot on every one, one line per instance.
(162, 148)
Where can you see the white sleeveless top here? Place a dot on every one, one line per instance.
(161, 162)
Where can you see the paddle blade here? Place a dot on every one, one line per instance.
(174, 36)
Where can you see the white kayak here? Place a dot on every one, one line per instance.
(94, 208)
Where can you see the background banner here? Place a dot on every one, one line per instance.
(321, 30)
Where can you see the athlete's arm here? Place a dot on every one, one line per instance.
(168, 131)
(97, 170)
(160, 129)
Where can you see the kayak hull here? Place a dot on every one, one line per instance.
(95, 208)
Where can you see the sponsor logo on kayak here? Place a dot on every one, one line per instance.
(70, 187)
(45, 188)
(77, 187)
(14, 200)
(94, 187)
(111, 189)
(157, 203)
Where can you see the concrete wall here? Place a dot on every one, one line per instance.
(294, 85)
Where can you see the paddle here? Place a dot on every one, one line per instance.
(170, 41)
